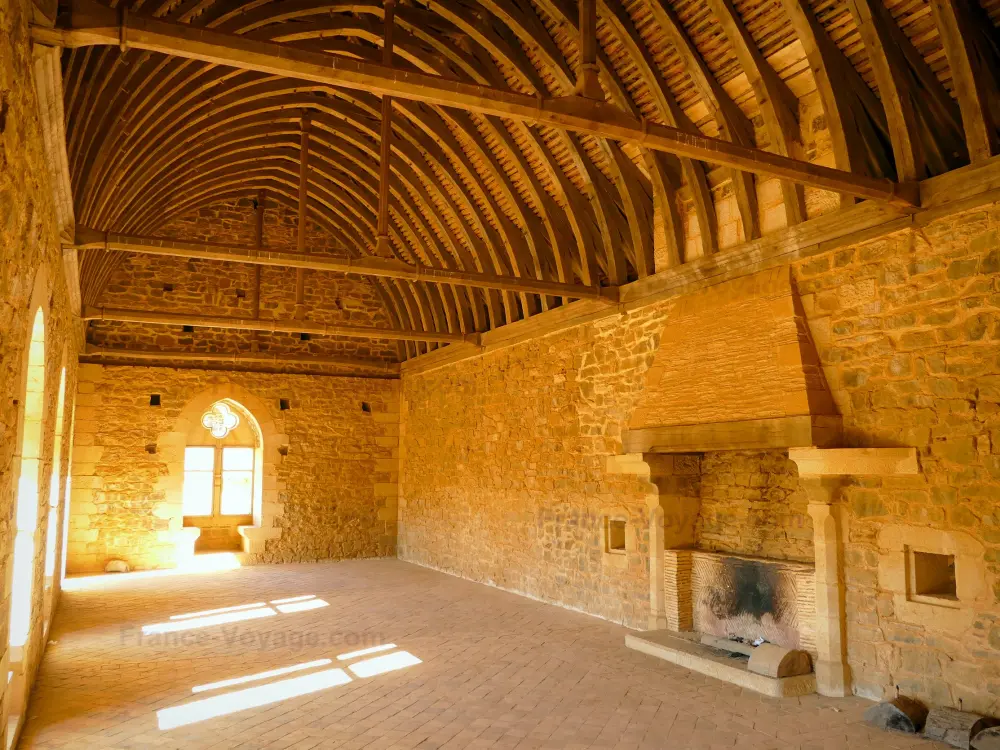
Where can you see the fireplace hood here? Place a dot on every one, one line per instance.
(736, 369)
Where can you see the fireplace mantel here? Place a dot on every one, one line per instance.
(801, 431)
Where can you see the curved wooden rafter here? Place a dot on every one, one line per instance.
(152, 136)
(858, 128)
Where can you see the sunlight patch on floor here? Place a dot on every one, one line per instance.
(220, 610)
(260, 676)
(280, 690)
(304, 606)
(241, 700)
(365, 651)
(383, 664)
(175, 626)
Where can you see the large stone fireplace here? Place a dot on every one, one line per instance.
(748, 473)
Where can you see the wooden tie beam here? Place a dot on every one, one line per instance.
(278, 326)
(93, 24)
(88, 239)
(391, 368)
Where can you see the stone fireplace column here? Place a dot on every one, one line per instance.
(635, 464)
(833, 675)
(822, 473)
(657, 604)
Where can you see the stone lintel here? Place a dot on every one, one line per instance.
(751, 434)
(818, 461)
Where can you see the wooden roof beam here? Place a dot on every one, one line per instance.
(303, 214)
(734, 126)
(925, 126)
(855, 116)
(778, 105)
(588, 83)
(89, 239)
(229, 358)
(92, 24)
(383, 247)
(123, 315)
(974, 60)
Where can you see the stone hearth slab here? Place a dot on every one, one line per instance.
(686, 651)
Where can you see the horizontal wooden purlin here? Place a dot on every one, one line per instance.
(88, 239)
(274, 326)
(391, 368)
(93, 24)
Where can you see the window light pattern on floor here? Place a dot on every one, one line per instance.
(241, 700)
(275, 692)
(260, 676)
(236, 613)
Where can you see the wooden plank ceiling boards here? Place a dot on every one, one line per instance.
(486, 162)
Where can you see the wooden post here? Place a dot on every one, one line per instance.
(382, 247)
(300, 246)
(588, 82)
(833, 676)
(259, 244)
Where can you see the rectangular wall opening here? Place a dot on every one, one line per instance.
(615, 535)
(934, 575)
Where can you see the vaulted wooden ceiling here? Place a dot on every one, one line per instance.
(891, 89)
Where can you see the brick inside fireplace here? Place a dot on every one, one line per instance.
(753, 599)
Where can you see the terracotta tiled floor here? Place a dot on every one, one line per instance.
(497, 670)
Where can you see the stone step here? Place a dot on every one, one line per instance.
(685, 650)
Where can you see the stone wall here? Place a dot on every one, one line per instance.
(335, 483)
(505, 476)
(751, 504)
(201, 287)
(907, 328)
(31, 274)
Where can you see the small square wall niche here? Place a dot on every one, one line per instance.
(932, 575)
(614, 536)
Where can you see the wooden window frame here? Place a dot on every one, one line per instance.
(217, 472)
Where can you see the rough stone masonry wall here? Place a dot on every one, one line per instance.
(336, 483)
(202, 287)
(503, 455)
(29, 246)
(751, 504)
(504, 477)
(907, 328)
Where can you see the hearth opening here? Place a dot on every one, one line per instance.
(933, 575)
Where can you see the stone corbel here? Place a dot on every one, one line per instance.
(822, 473)
(854, 461)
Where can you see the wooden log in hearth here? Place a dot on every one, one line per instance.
(957, 728)
(901, 714)
(772, 660)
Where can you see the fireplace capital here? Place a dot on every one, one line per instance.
(817, 462)
(822, 490)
